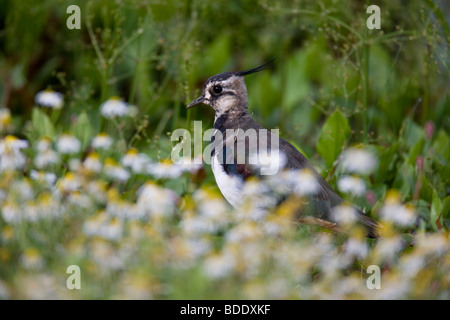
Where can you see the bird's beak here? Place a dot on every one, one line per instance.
(197, 101)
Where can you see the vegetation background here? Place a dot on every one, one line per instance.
(335, 85)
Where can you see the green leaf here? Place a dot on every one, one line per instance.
(83, 130)
(416, 151)
(441, 154)
(426, 192)
(299, 148)
(296, 85)
(435, 214)
(332, 137)
(405, 180)
(42, 124)
(386, 162)
(446, 207)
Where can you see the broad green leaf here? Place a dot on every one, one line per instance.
(83, 130)
(332, 137)
(426, 191)
(296, 85)
(405, 180)
(299, 149)
(42, 124)
(441, 148)
(435, 214)
(446, 207)
(386, 160)
(415, 151)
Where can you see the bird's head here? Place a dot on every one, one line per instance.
(227, 91)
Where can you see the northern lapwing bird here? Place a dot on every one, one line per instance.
(226, 93)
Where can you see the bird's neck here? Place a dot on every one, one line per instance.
(229, 119)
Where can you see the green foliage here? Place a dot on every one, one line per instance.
(42, 126)
(334, 134)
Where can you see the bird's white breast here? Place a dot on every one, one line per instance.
(230, 186)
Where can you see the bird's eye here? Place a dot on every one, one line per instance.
(217, 89)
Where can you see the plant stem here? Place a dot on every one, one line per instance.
(366, 84)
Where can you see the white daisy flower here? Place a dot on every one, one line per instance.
(50, 99)
(398, 213)
(394, 211)
(138, 162)
(356, 160)
(387, 248)
(49, 206)
(92, 225)
(11, 212)
(102, 141)
(31, 259)
(70, 182)
(46, 158)
(97, 190)
(219, 265)
(11, 157)
(345, 214)
(47, 178)
(101, 225)
(68, 144)
(352, 185)
(115, 170)
(269, 163)
(22, 189)
(46, 155)
(155, 200)
(112, 231)
(165, 169)
(357, 247)
(92, 163)
(305, 182)
(114, 107)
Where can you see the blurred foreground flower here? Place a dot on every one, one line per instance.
(114, 107)
(92, 163)
(46, 178)
(46, 155)
(165, 169)
(352, 185)
(70, 182)
(50, 99)
(357, 160)
(102, 141)
(156, 201)
(394, 211)
(115, 171)
(68, 144)
(11, 157)
(31, 259)
(138, 162)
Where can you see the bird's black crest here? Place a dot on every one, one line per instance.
(267, 65)
(226, 75)
(221, 76)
